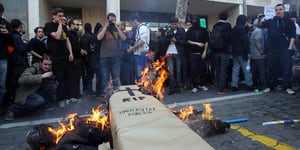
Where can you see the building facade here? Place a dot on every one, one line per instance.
(35, 13)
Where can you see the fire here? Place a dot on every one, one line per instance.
(63, 128)
(208, 110)
(186, 112)
(96, 119)
(153, 77)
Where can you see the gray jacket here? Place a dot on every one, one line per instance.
(30, 81)
(257, 43)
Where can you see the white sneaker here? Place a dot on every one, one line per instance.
(194, 90)
(266, 90)
(290, 91)
(204, 88)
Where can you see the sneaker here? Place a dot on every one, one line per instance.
(266, 90)
(62, 103)
(46, 107)
(73, 101)
(9, 116)
(90, 93)
(221, 92)
(204, 88)
(194, 90)
(234, 89)
(290, 91)
(250, 88)
(171, 92)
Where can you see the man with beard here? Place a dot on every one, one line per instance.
(74, 68)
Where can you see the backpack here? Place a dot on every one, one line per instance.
(216, 40)
(153, 41)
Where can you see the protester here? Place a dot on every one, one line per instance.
(127, 59)
(197, 38)
(17, 59)
(36, 46)
(257, 48)
(140, 49)
(60, 49)
(73, 71)
(37, 87)
(240, 54)
(110, 54)
(5, 40)
(222, 54)
(281, 38)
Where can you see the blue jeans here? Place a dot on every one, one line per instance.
(3, 72)
(174, 68)
(239, 62)
(140, 63)
(110, 69)
(33, 101)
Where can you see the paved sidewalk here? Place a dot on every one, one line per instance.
(257, 107)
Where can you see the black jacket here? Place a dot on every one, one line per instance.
(280, 32)
(5, 39)
(164, 42)
(239, 38)
(75, 44)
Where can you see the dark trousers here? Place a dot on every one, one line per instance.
(185, 68)
(279, 63)
(221, 65)
(87, 74)
(127, 75)
(59, 67)
(13, 73)
(197, 66)
(258, 69)
(73, 73)
(95, 65)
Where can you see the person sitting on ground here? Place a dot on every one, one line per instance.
(37, 89)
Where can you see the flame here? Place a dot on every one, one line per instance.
(95, 119)
(59, 133)
(153, 77)
(184, 113)
(208, 110)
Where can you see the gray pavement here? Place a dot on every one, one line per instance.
(258, 107)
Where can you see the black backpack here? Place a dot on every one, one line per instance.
(216, 40)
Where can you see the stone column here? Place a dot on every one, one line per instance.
(113, 6)
(33, 16)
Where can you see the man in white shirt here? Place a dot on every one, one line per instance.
(141, 47)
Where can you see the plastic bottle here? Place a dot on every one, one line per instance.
(248, 65)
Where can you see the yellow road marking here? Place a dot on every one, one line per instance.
(269, 142)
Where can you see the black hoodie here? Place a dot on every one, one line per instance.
(239, 38)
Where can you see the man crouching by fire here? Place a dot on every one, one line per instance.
(37, 89)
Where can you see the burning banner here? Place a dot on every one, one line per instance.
(83, 132)
(202, 122)
(153, 78)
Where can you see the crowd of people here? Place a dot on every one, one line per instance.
(263, 51)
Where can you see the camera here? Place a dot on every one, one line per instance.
(169, 34)
(111, 25)
(261, 16)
